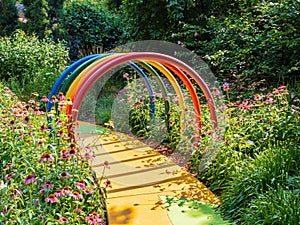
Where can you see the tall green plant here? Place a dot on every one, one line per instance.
(28, 64)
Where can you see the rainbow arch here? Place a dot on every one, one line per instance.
(77, 80)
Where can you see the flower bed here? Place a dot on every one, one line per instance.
(45, 175)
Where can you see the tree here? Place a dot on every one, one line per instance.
(87, 26)
(8, 17)
(36, 11)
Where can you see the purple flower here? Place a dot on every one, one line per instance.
(51, 198)
(29, 179)
(81, 184)
(63, 220)
(292, 95)
(48, 184)
(9, 176)
(46, 157)
(93, 218)
(64, 175)
(76, 195)
(105, 164)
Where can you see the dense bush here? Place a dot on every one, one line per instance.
(89, 26)
(28, 64)
(260, 41)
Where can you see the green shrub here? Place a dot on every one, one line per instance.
(28, 64)
(89, 26)
(260, 41)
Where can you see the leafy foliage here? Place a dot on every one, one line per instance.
(8, 17)
(87, 26)
(36, 11)
(28, 64)
(260, 41)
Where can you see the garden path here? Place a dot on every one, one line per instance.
(141, 178)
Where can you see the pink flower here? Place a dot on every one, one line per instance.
(63, 220)
(59, 193)
(79, 210)
(51, 198)
(46, 157)
(44, 128)
(258, 97)
(37, 111)
(8, 165)
(76, 195)
(88, 192)
(60, 133)
(31, 101)
(61, 96)
(9, 176)
(35, 94)
(29, 179)
(105, 164)
(126, 76)
(44, 99)
(73, 152)
(93, 218)
(64, 175)
(66, 191)
(108, 183)
(48, 184)
(263, 89)
(15, 192)
(138, 104)
(81, 184)
(64, 151)
(64, 157)
(283, 102)
(53, 99)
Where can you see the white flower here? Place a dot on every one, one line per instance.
(2, 185)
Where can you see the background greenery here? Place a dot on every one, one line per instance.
(251, 46)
